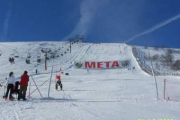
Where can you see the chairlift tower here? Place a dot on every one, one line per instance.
(46, 51)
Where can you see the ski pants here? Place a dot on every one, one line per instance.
(9, 87)
(22, 92)
(58, 83)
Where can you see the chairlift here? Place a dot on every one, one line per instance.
(39, 55)
(59, 48)
(11, 58)
(39, 60)
(29, 55)
(27, 61)
(52, 55)
(16, 53)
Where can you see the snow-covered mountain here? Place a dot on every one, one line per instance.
(119, 93)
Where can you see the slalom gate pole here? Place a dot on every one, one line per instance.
(36, 86)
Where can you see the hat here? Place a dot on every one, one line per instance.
(25, 72)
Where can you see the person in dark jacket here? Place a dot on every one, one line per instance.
(23, 86)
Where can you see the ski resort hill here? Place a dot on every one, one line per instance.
(100, 82)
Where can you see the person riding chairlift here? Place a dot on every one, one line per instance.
(11, 60)
(58, 82)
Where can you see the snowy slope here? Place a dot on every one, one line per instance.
(116, 94)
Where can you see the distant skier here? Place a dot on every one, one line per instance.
(23, 86)
(36, 71)
(58, 82)
(10, 86)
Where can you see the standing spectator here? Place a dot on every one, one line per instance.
(10, 86)
(23, 86)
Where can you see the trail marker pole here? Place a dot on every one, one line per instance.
(164, 89)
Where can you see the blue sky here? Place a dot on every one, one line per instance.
(137, 22)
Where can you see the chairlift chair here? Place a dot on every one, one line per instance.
(39, 55)
(16, 54)
(52, 55)
(27, 61)
(39, 60)
(29, 55)
(11, 58)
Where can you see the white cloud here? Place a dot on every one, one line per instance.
(155, 27)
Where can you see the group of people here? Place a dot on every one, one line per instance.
(13, 86)
(11, 60)
(19, 87)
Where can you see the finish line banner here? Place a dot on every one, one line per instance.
(102, 64)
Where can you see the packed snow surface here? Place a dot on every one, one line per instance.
(99, 94)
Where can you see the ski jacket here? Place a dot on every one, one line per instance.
(24, 80)
(11, 80)
(58, 77)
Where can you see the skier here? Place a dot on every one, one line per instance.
(58, 82)
(36, 71)
(10, 86)
(23, 86)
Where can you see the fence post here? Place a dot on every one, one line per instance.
(50, 79)
(29, 88)
(164, 89)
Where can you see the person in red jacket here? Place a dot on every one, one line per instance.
(58, 82)
(23, 86)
